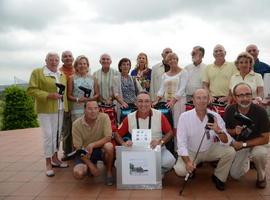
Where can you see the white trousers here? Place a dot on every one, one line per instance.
(167, 160)
(48, 123)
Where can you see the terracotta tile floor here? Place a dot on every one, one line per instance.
(22, 177)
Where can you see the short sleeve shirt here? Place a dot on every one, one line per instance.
(256, 113)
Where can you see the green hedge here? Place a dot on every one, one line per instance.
(18, 109)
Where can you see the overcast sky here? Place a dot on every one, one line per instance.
(123, 28)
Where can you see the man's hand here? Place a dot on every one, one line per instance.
(214, 126)
(154, 143)
(90, 149)
(190, 166)
(238, 129)
(237, 145)
(128, 143)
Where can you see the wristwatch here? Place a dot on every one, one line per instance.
(244, 144)
(161, 142)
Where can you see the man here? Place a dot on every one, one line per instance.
(259, 67)
(157, 71)
(93, 132)
(105, 77)
(217, 76)
(215, 144)
(147, 118)
(195, 70)
(248, 141)
(68, 70)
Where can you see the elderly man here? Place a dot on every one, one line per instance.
(192, 128)
(68, 70)
(105, 77)
(147, 118)
(259, 67)
(157, 71)
(195, 70)
(49, 106)
(250, 140)
(217, 76)
(93, 132)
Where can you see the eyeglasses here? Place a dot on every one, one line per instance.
(248, 95)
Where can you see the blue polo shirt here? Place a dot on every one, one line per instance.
(261, 67)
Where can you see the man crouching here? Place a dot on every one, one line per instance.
(93, 132)
(198, 140)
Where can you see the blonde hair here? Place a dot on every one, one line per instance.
(146, 58)
(171, 55)
(244, 55)
(78, 59)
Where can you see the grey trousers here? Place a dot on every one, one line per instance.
(224, 154)
(259, 157)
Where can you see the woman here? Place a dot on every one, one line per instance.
(125, 87)
(49, 106)
(84, 79)
(173, 88)
(244, 63)
(142, 72)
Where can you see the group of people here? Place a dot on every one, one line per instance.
(74, 114)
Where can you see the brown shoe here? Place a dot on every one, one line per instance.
(261, 184)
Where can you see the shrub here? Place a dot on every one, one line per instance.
(18, 109)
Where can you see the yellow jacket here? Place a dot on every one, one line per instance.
(40, 86)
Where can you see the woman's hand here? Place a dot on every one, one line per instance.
(54, 96)
(171, 103)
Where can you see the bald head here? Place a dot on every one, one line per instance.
(105, 61)
(67, 58)
(253, 50)
(165, 52)
(201, 91)
(219, 53)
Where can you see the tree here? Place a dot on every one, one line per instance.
(18, 110)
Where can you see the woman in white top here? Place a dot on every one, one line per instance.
(173, 87)
(244, 63)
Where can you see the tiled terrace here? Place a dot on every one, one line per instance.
(22, 177)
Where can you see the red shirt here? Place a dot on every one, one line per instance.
(165, 126)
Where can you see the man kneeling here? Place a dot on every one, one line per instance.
(195, 147)
(93, 132)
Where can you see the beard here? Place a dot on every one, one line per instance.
(244, 105)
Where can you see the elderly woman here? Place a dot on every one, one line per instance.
(49, 106)
(173, 86)
(84, 79)
(244, 63)
(142, 72)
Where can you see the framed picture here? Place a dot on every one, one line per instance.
(138, 167)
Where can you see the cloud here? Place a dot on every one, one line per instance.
(30, 14)
(118, 11)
